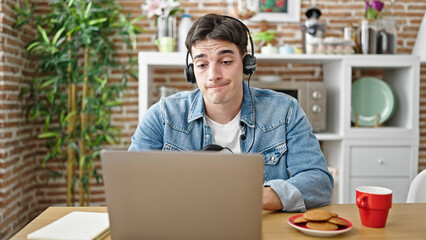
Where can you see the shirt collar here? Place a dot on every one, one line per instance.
(247, 111)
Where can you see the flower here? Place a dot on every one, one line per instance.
(160, 8)
(373, 9)
(153, 7)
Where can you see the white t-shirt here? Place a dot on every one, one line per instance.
(227, 135)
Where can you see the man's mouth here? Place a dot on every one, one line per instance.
(218, 86)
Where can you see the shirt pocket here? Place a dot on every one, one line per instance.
(273, 155)
(171, 147)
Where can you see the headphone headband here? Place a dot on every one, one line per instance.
(247, 30)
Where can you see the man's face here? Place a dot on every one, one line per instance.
(218, 69)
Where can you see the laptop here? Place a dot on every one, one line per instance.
(176, 195)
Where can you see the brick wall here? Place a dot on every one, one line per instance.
(22, 191)
(18, 148)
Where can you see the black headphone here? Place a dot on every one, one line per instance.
(249, 61)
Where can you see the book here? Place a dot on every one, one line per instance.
(76, 226)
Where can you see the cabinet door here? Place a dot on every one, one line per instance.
(380, 161)
(383, 166)
(399, 186)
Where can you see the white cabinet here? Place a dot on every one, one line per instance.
(381, 165)
(379, 160)
(383, 156)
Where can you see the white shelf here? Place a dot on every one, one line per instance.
(402, 72)
(328, 137)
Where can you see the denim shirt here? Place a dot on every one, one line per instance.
(295, 167)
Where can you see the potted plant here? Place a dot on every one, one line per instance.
(72, 92)
(265, 37)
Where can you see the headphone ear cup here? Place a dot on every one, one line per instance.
(249, 64)
(189, 73)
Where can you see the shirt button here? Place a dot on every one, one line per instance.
(207, 136)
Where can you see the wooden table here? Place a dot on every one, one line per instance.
(405, 221)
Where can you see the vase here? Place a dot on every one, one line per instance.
(386, 36)
(368, 36)
(166, 34)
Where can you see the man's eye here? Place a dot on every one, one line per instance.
(201, 65)
(226, 62)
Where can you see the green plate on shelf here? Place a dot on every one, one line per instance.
(370, 96)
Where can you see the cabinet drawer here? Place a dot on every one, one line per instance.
(398, 185)
(380, 161)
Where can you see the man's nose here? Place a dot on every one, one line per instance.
(214, 72)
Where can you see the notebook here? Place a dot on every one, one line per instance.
(75, 225)
(176, 195)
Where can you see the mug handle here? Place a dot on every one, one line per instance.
(361, 201)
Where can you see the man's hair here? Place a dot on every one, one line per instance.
(217, 27)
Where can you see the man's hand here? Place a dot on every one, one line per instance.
(270, 200)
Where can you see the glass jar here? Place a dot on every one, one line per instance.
(166, 34)
(386, 36)
(368, 36)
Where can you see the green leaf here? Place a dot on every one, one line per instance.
(47, 83)
(33, 45)
(44, 160)
(20, 22)
(85, 184)
(86, 13)
(73, 113)
(47, 122)
(174, 11)
(73, 30)
(48, 135)
(87, 139)
(101, 81)
(109, 139)
(53, 175)
(57, 146)
(51, 97)
(82, 160)
(96, 21)
(136, 19)
(133, 74)
(57, 35)
(75, 147)
(43, 34)
(113, 103)
(90, 164)
(97, 176)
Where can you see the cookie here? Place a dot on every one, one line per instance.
(322, 226)
(317, 215)
(300, 220)
(334, 214)
(338, 221)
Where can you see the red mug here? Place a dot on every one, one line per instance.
(373, 205)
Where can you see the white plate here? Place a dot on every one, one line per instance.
(371, 96)
(318, 233)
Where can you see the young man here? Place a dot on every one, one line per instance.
(224, 112)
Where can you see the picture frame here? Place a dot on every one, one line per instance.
(291, 12)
